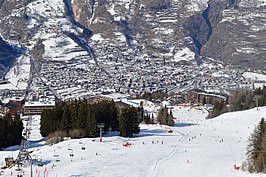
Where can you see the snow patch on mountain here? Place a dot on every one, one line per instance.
(53, 24)
(97, 37)
(184, 54)
(252, 3)
(193, 6)
(18, 75)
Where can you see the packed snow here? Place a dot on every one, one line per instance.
(196, 147)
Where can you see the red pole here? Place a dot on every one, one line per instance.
(101, 134)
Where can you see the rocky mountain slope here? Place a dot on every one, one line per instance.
(105, 33)
(226, 30)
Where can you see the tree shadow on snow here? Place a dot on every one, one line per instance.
(154, 132)
(46, 162)
(184, 124)
(29, 145)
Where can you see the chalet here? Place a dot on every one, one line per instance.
(9, 161)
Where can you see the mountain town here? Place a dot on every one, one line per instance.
(91, 87)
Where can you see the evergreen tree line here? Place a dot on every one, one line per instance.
(164, 117)
(156, 95)
(79, 119)
(10, 131)
(256, 150)
(149, 119)
(240, 100)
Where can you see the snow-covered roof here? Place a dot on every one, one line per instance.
(166, 103)
(39, 103)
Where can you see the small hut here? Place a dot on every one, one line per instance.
(9, 161)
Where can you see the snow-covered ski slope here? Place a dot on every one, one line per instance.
(196, 148)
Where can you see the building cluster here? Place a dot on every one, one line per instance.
(85, 79)
(124, 73)
(30, 102)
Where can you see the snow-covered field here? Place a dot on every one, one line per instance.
(197, 147)
(255, 76)
(258, 79)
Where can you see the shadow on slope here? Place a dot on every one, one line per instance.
(30, 144)
(8, 55)
(184, 124)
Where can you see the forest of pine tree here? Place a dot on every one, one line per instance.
(239, 100)
(128, 122)
(154, 95)
(79, 119)
(11, 131)
(164, 117)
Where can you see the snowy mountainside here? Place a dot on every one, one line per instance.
(53, 29)
(52, 34)
(196, 147)
(147, 29)
(8, 56)
(238, 37)
(226, 30)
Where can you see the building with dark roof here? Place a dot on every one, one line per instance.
(199, 96)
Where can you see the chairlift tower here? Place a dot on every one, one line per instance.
(23, 157)
(256, 98)
(101, 126)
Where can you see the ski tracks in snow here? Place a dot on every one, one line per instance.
(168, 156)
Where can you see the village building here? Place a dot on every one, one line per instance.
(198, 96)
(116, 97)
(36, 107)
(3, 111)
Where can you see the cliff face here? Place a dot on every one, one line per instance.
(238, 39)
(13, 19)
(13, 29)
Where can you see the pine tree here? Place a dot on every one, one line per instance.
(134, 116)
(91, 124)
(81, 116)
(254, 148)
(66, 123)
(74, 114)
(44, 128)
(124, 123)
(152, 119)
(128, 122)
(147, 119)
(11, 131)
(164, 117)
(18, 128)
